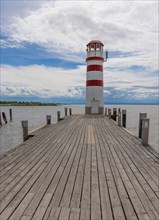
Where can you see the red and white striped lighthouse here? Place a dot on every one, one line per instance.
(94, 82)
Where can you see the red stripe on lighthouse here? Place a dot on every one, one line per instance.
(94, 68)
(94, 58)
(94, 83)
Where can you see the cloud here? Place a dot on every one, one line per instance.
(8, 43)
(42, 81)
(50, 82)
(65, 27)
(129, 31)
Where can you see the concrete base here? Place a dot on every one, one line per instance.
(88, 110)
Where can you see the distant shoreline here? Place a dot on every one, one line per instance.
(27, 104)
(58, 104)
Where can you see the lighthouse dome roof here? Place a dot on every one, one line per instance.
(95, 42)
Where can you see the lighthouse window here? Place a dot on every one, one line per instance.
(92, 46)
(97, 47)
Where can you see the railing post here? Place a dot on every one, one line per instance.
(10, 114)
(141, 117)
(105, 111)
(119, 117)
(48, 119)
(109, 113)
(70, 110)
(58, 116)
(0, 119)
(119, 111)
(25, 130)
(114, 113)
(4, 117)
(124, 118)
(65, 111)
(145, 131)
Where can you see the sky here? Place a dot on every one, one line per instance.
(43, 49)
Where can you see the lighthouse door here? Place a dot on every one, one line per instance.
(94, 107)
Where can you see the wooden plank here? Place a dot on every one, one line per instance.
(85, 214)
(77, 191)
(12, 196)
(116, 205)
(146, 203)
(48, 180)
(20, 210)
(87, 165)
(149, 163)
(137, 158)
(64, 214)
(106, 208)
(66, 172)
(95, 197)
(27, 153)
(25, 171)
(124, 197)
(140, 151)
(11, 157)
(90, 132)
(18, 152)
(143, 175)
(74, 214)
(40, 212)
(29, 175)
(54, 214)
(65, 201)
(24, 217)
(86, 192)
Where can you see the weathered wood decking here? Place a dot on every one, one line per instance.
(84, 167)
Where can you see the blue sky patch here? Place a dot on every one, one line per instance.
(31, 54)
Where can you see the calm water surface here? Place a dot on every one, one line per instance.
(11, 133)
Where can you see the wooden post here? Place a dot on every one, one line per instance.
(58, 116)
(48, 119)
(70, 110)
(109, 113)
(145, 131)
(0, 119)
(114, 113)
(25, 130)
(4, 117)
(66, 111)
(141, 117)
(105, 111)
(124, 118)
(119, 117)
(119, 111)
(10, 114)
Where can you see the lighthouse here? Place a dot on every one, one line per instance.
(94, 79)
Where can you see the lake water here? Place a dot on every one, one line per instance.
(11, 133)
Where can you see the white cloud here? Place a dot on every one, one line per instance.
(42, 81)
(65, 27)
(9, 43)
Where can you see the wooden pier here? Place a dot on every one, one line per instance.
(83, 168)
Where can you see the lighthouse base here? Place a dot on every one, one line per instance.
(88, 110)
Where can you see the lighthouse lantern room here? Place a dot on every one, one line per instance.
(94, 81)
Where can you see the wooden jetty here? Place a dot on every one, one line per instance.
(83, 168)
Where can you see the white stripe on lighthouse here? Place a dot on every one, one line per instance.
(95, 75)
(94, 62)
